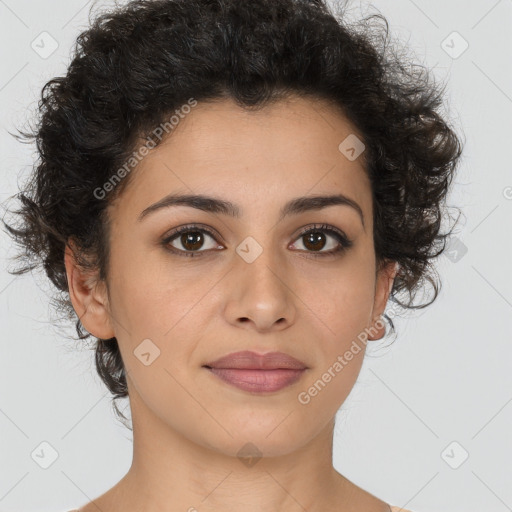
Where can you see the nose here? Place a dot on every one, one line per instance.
(260, 294)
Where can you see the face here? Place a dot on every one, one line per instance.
(265, 274)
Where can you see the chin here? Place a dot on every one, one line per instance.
(251, 447)
(259, 435)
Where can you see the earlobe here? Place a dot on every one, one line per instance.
(88, 295)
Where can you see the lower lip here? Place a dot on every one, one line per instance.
(259, 381)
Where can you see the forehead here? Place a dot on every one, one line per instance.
(287, 149)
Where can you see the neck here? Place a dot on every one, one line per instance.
(170, 472)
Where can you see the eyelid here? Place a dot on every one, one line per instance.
(191, 227)
(323, 227)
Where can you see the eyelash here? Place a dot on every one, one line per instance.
(345, 243)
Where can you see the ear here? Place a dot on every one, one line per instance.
(385, 278)
(88, 295)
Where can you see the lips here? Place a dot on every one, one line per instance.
(248, 360)
(258, 373)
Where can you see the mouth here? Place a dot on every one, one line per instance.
(257, 373)
(259, 381)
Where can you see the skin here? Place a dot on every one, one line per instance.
(188, 425)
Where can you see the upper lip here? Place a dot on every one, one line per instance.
(249, 360)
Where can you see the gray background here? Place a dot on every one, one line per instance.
(443, 389)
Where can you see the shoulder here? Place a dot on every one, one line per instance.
(393, 509)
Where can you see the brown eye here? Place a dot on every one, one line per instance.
(192, 240)
(188, 240)
(315, 239)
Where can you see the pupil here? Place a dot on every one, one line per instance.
(314, 239)
(188, 240)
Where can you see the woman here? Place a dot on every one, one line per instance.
(229, 194)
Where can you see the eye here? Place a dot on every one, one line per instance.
(315, 239)
(191, 239)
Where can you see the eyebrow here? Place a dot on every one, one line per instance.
(221, 206)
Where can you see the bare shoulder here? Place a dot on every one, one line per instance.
(360, 499)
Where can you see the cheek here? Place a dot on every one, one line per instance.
(158, 312)
(341, 313)
(149, 296)
(339, 304)
(340, 309)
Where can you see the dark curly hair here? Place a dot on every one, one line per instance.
(137, 64)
